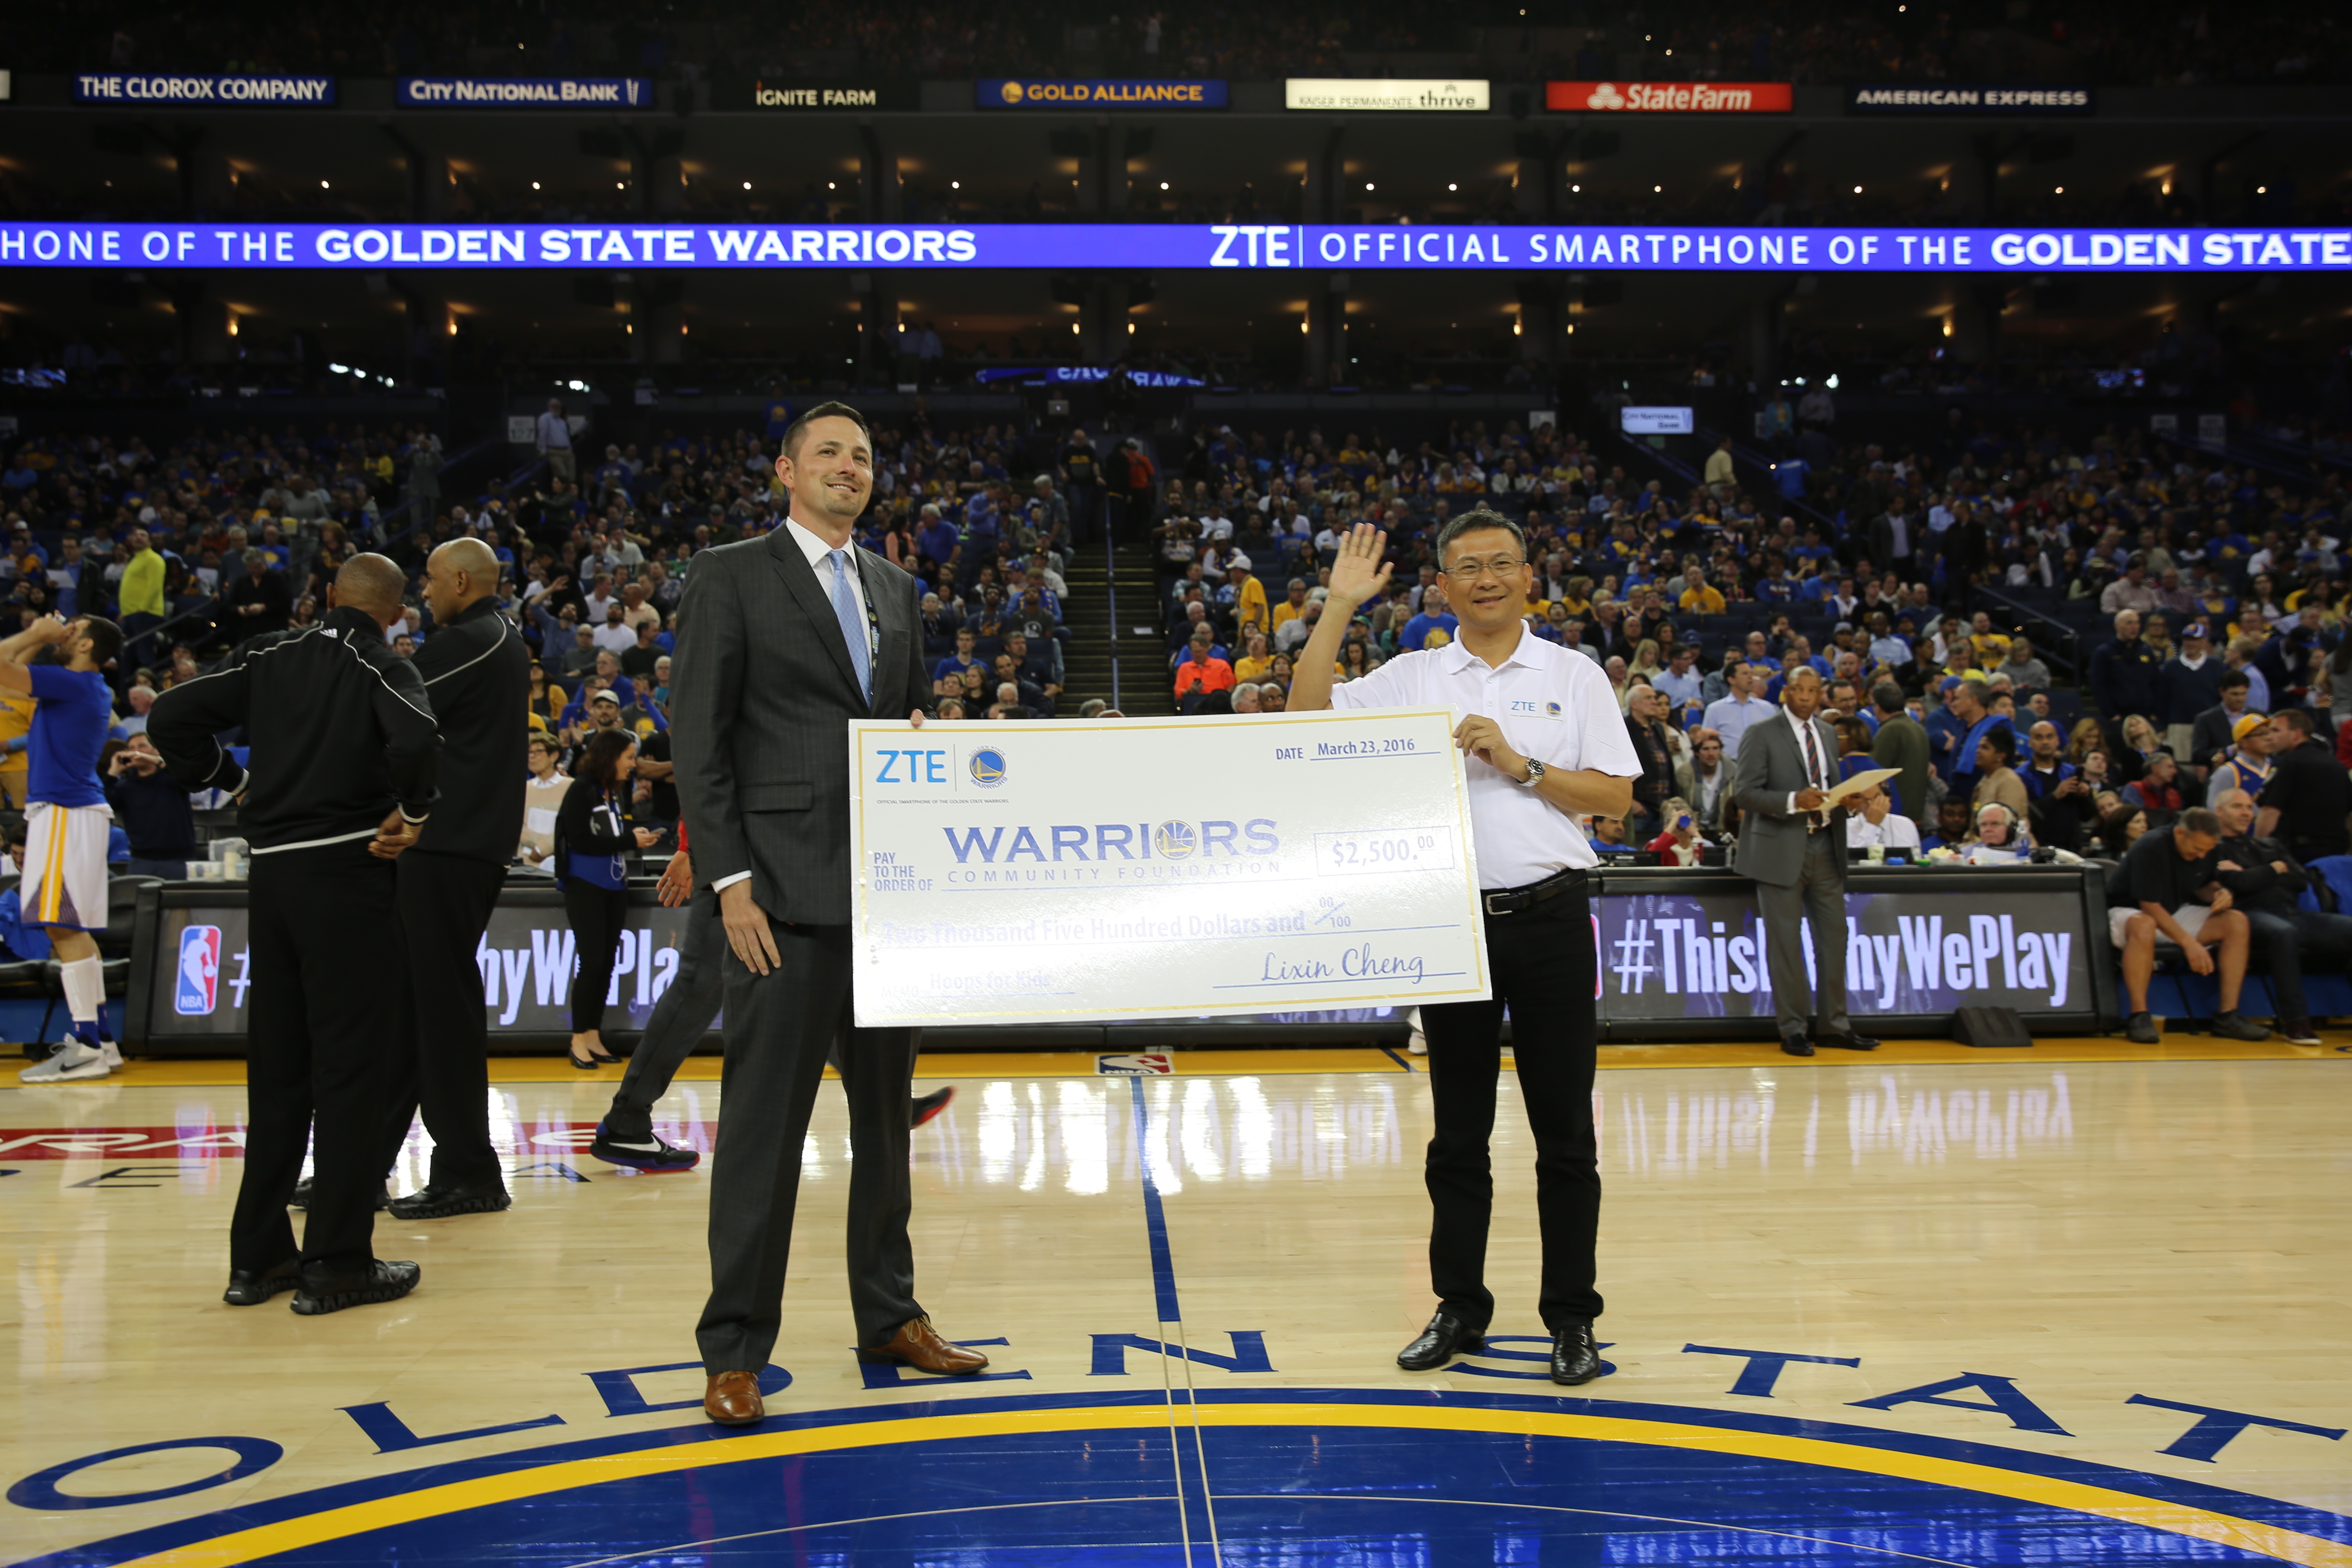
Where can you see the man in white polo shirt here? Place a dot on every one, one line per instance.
(1544, 745)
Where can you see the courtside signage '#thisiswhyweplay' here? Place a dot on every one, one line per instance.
(1627, 247)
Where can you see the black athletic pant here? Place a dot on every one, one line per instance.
(323, 1020)
(1543, 967)
(599, 915)
(680, 1020)
(445, 907)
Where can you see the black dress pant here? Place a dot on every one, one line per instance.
(599, 915)
(445, 906)
(1543, 965)
(323, 1021)
(779, 1029)
(680, 1019)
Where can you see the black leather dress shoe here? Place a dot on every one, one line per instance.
(1846, 1042)
(1574, 1357)
(439, 1201)
(251, 1287)
(1796, 1045)
(323, 1290)
(301, 1198)
(1446, 1337)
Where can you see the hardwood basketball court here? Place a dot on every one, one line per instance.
(2080, 1304)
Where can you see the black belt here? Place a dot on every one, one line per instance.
(1511, 900)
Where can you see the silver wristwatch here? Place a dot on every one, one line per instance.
(1535, 774)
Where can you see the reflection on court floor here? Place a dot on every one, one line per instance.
(1923, 1314)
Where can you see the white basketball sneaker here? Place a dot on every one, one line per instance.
(72, 1061)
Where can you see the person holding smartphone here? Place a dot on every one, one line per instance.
(152, 811)
(1679, 844)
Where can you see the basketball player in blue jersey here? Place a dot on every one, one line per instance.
(62, 665)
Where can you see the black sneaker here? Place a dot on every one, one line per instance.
(649, 1154)
(2299, 1032)
(2231, 1025)
(323, 1290)
(2141, 1030)
(440, 1200)
(926, 1106)
(251, 1287)
(301, 1198)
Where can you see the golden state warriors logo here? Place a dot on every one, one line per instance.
(1012, 92)
(1174, 841)
(987, 767)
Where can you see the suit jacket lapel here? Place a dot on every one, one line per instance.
(801, 581)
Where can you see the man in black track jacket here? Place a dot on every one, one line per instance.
(344, 750)
(478, 674)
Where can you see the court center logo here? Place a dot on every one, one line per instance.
(987, 767)
(197, 990)
(1175, 840)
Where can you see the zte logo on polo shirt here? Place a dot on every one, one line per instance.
(1532, 709)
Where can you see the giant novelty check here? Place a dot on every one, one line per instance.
(1057, 872)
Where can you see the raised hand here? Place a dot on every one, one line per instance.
(1360, 573)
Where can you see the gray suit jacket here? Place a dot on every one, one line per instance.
(761, 689)
(1771, 841)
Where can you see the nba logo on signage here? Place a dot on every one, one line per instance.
(198, 988)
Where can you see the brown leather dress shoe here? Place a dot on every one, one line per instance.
(919, 1345)
(732, 1399)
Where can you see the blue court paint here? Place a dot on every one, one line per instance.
(1155, 1216)
(1313, 1493)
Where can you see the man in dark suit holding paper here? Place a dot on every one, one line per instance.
(783, 640)
(1793, 846)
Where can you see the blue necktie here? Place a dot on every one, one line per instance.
(853, 622)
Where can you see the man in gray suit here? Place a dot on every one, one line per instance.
(1793, 846)
(782, 639)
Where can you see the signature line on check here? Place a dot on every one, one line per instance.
(1335, 980)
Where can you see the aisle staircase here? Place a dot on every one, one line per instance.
(1086, 610)
(1116, 649)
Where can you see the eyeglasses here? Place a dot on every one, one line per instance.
(1473, 567)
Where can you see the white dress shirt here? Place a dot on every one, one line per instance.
(1823, 764)
(1898, 832)
(815, 550)
(1551, 705)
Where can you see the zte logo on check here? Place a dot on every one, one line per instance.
(911, 767)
